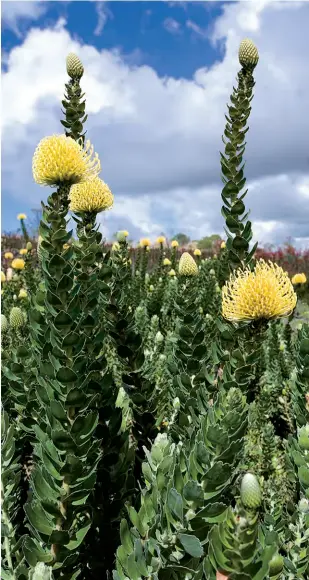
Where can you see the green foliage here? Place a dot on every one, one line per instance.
(144, 436)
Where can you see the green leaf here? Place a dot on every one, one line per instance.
(303, 474)
(175, 504)
(125, 536)
(192, 491)
(38, 519)
(192, 545)
(80, 535)
(34, 553)
(66, 375)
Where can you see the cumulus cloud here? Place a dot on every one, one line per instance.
(14, 14)
(159, 138)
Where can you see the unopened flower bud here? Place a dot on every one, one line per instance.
(250, 492)
(17, 319)
(75, 67)
(248, 53)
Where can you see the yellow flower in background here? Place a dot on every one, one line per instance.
(161, 240)
(265, 293)
(90, 196)
(223, 245)
(299, 279)
(166, 262)
(187, 265)
(144, 242)
(9, 256)
(9, 274)
(3, 277)
(172, 273)
(174, 244)
(21, 216)
(18, 264)
(197, 252)
(22, 293)
(125, 233)
(59, 159)
(115, 246)
(66, 246)
(23, 251)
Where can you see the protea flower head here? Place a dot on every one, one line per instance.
(17, 319)
(161, 240)
(122, 235)
(299, 279)
(18, 264)
(265, 293)
(144, 243)
(248, 53)
(187, 265)
(250, 492)
(75, 67)
(174, 244)
(90, 196)
(4, 324)
(61, 160)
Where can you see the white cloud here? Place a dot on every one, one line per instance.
(103, 13)
(159, 138)
(172, 25)
(14, 13)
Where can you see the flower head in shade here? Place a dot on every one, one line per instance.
(17, 319)
(144, 243)
(248, 53)
(174, 244)
(166, 262)
(8, 256)
(23, 251)
(59, 159)
(187, 265)
(197, 252)
(3, 277)
(265, 293)
(75, 67)
(299, 279)
(18, 264)
(21, 216)
(161, 240)
(172, 273)
(90, 196)
(22, 293)
(223, 245)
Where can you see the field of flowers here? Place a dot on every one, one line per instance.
(155, 400)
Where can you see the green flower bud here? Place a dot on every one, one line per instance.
(304, 505)
(75, 67)
(4, 324)
(276, 565)
(248, 53)
(29, 246)
(303, 438)
(250, 492)
(17, 319)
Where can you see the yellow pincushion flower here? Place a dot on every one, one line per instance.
(3, 277)
(23, 251)
(8, 256)
(59, 159)
(187, 265)
(22, 293)
(144, 242)
(172, 273)
(197, 252)
(265, 293)
(166, 262)
(21, 216)
(18, 264)
(90, 196)
(223, 245)
(174, 244)
(299, 279)
(161, 240)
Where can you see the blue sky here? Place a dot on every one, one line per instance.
(158, 77)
